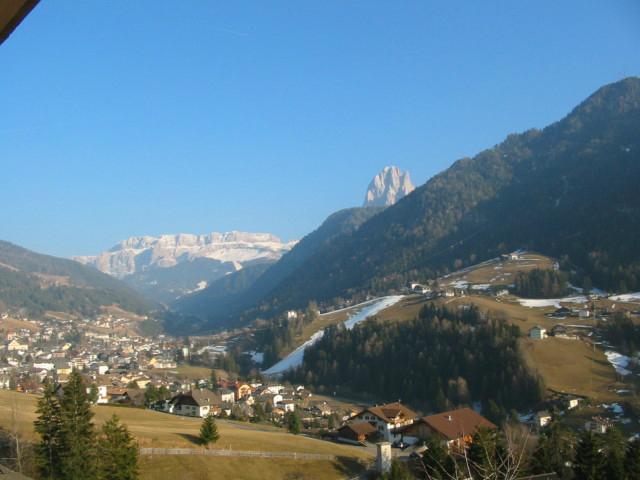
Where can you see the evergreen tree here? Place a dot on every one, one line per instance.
(614, 446)
(590, 463)
(48, 425)
(438, 464)
(93, 393)
(213, 379)
(78, 438)
(293, 422)
(209, 431)
(632, 460)
(555, 447)
(117, 452)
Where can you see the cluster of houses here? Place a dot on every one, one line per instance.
(235, 396)
(398, 424)
(117, 363)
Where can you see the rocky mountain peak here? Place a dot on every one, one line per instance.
(387, 187)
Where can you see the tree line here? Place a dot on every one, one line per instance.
(440, 359)
(70, 447)
(539, 283)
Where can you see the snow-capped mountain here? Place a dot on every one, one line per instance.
(387, 187)
(168, 266)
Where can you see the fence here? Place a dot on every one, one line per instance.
(235, 453)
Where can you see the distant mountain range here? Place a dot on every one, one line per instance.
(32, 283)
(569, 190)
(169, 266)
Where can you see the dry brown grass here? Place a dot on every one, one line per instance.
(13, 324)
(208, 468)
(572, 366)
(155, 429)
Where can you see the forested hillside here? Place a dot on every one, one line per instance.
(568, 191)
(440, 359)
(34, 283)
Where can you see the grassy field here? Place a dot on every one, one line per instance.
(205, 468)
(572, 366)
(501, 272)
(154, 429)
(12, 324)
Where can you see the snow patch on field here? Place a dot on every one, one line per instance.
(627, 297)
(620, 362)
(294, 359)
(550, 302)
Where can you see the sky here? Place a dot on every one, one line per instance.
(125, 118)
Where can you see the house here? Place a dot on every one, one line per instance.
(561, 312)
(584, 313)
(572, 402)
(538, 333)
(542, 418)
(598, 425)
(227, 395)
(17, 345)
(421, 289)
(454, 428)
(292, 315)
(195, 403)
(242, 390)
(387, 418)
(287, 405)
(559, 331)
(357, 432)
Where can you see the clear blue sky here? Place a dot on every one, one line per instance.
(124, 118)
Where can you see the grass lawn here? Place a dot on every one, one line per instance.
(155, 429)
(204, 468)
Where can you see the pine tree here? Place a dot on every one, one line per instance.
(590, 463)
(632, 460)
(209, 431)
(294, 424)
(117, 452)
(78, 438)
(615, 445)
(48, 425)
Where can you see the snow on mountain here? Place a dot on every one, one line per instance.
(387, 187)
(138, 254)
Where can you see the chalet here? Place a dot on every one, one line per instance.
(538, 333)
(292, 314)
(387, 419)
(195, 403)
(454, 428)
(357, 432)
(542, 419)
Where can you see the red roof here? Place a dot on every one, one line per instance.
(457, 423)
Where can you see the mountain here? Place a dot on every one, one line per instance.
(387, 187)
(169, 266)
(241, 291)
(34, 283)
(569, 190)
